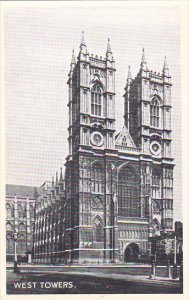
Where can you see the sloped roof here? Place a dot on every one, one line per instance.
(124, 138)
(21, 191)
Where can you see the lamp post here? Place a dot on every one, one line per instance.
(112, 231)
(16, 270)
(175, 275)
(114, 217)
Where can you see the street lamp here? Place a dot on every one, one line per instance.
(175, 275)
(15, 235)
(112, 231)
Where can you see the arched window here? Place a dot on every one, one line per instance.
(98, 234)
(9, 226)
(21, 211)
(22, 227)
(21, 244)
(10, 244)
(96, 100)
(31, 212)
(154, 112)
(128, 193)
(156, 184)
(97, 178)
(156, 227)
(9, 211)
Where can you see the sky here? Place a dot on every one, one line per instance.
(38, 49)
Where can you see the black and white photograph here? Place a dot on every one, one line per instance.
(93, 147)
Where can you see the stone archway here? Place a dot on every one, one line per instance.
(131, 253)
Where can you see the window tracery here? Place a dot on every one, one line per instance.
(9, 211)
(97, 178)
(96, 100)
(155, 112)
(156, 184)
(128, 194)
(98, 229)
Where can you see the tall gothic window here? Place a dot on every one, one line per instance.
(128, 193)
(97, 178)
(99, 233)
(154, 112)
(21, 244)
(98, 229)
(96, 100)
(156, 184)
(9, 211)
(10, 243)
(31, 212)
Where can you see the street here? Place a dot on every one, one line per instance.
(72, 280)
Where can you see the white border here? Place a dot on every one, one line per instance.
(183, 6)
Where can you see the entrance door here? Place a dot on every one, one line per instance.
(131, 253)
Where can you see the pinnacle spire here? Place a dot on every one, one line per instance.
(56, 178)
(83, 39)
(143, 61)
(143, 64)
(129, 76)
(165, 71)
(52, 182)
(165, 66)
(109, 47)
(61, 176)
(73, 61)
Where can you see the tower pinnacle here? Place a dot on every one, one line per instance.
(108, 47)
(143, 64)
(83, 39)
(143, 57)
(56, 178)
(52, 182)
(73, 61)
(165, 68)
(129, 76)
(61, 176)
(109, 55)
(83, 46)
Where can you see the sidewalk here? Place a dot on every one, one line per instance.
(120, 277)
(10, 265)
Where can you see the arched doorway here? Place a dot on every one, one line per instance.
(131, 253)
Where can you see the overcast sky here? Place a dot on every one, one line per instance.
(38, 47)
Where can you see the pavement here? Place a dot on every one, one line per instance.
(83, 271)
(88, 280)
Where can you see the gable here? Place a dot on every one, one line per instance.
(124, 138)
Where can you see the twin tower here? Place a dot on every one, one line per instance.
(117, 205)
(119, 186)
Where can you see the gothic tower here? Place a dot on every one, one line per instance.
(148, 118)
(91, 148)
(119, 187)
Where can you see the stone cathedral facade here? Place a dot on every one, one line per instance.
(118, 195)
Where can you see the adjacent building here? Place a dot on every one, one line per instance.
(20, 216)
(48, 243)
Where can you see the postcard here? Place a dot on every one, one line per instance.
(94, 149)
